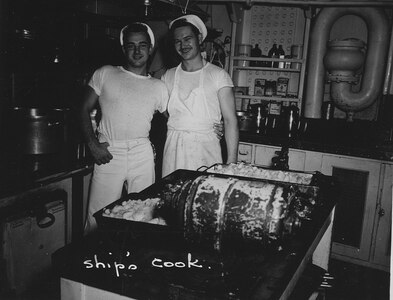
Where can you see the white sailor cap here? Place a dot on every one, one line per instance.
(194, 20)
(149, 32)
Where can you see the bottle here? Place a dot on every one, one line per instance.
(255, 52)
(273, 54)
(268, 88)
(281, 54)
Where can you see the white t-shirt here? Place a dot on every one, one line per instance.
(128, 102)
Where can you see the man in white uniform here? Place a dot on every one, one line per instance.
(201, 94)
(128, 98)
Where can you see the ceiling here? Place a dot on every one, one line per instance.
(141, 9)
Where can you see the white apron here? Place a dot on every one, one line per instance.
(191, 141)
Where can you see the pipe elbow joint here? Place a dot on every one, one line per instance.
(349, 101)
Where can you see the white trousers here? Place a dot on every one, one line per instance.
(133, 162)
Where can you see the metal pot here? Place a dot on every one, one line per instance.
(40, 130)
(246, 121)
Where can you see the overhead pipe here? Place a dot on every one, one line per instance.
(310, 3)
(372, 80)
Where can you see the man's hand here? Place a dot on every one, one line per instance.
(219, 129)
(100, 153)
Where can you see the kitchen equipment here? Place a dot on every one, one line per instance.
(29, 236)
(291, 120)
(374, 66)
(296, 53)
(40, 130)
(259, 110)
(246, 120)
(328, 110)
(344, 59)
(244, 50)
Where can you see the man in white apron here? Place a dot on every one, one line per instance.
(128, 98)
(201, 94)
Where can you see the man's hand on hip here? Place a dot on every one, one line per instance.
(100, 153)
(219, 129)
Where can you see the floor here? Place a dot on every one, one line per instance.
(351, 282)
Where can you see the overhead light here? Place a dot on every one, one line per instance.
(147, 3)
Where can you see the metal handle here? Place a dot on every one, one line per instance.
(53, 124)
(46, 220)
(202, 168)
(243, 153)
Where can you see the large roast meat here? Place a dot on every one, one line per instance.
(222, 212)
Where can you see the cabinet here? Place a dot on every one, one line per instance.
(362, 221)
(245, 153)
(265, 26)
(361, 231)
(359, 181)
(262, 155)
(381, 243)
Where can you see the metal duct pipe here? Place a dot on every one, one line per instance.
(377, 26)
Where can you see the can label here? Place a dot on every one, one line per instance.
(274, 108)
(259, 87)
(282, 86)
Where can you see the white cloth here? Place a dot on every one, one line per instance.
(133, 161)
(194, 20)
(128, 102)
(149, 32)
(191, 141)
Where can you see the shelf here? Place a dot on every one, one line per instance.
(250, 58)
(267, 69)
(268, 30)
(268, 98)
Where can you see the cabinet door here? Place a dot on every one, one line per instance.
(355, 211)
(313, 161)
(264, 155)
(245, 153)
(383, 224)
(297, 159)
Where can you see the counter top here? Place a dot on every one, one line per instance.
(378, 152)
(359, 138)
(22, 172)
(142, 266)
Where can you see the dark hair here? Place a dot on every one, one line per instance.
(135, 27)
(182, 23)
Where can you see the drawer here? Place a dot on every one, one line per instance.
(297, 160)
(264, 155)
(245, 153)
